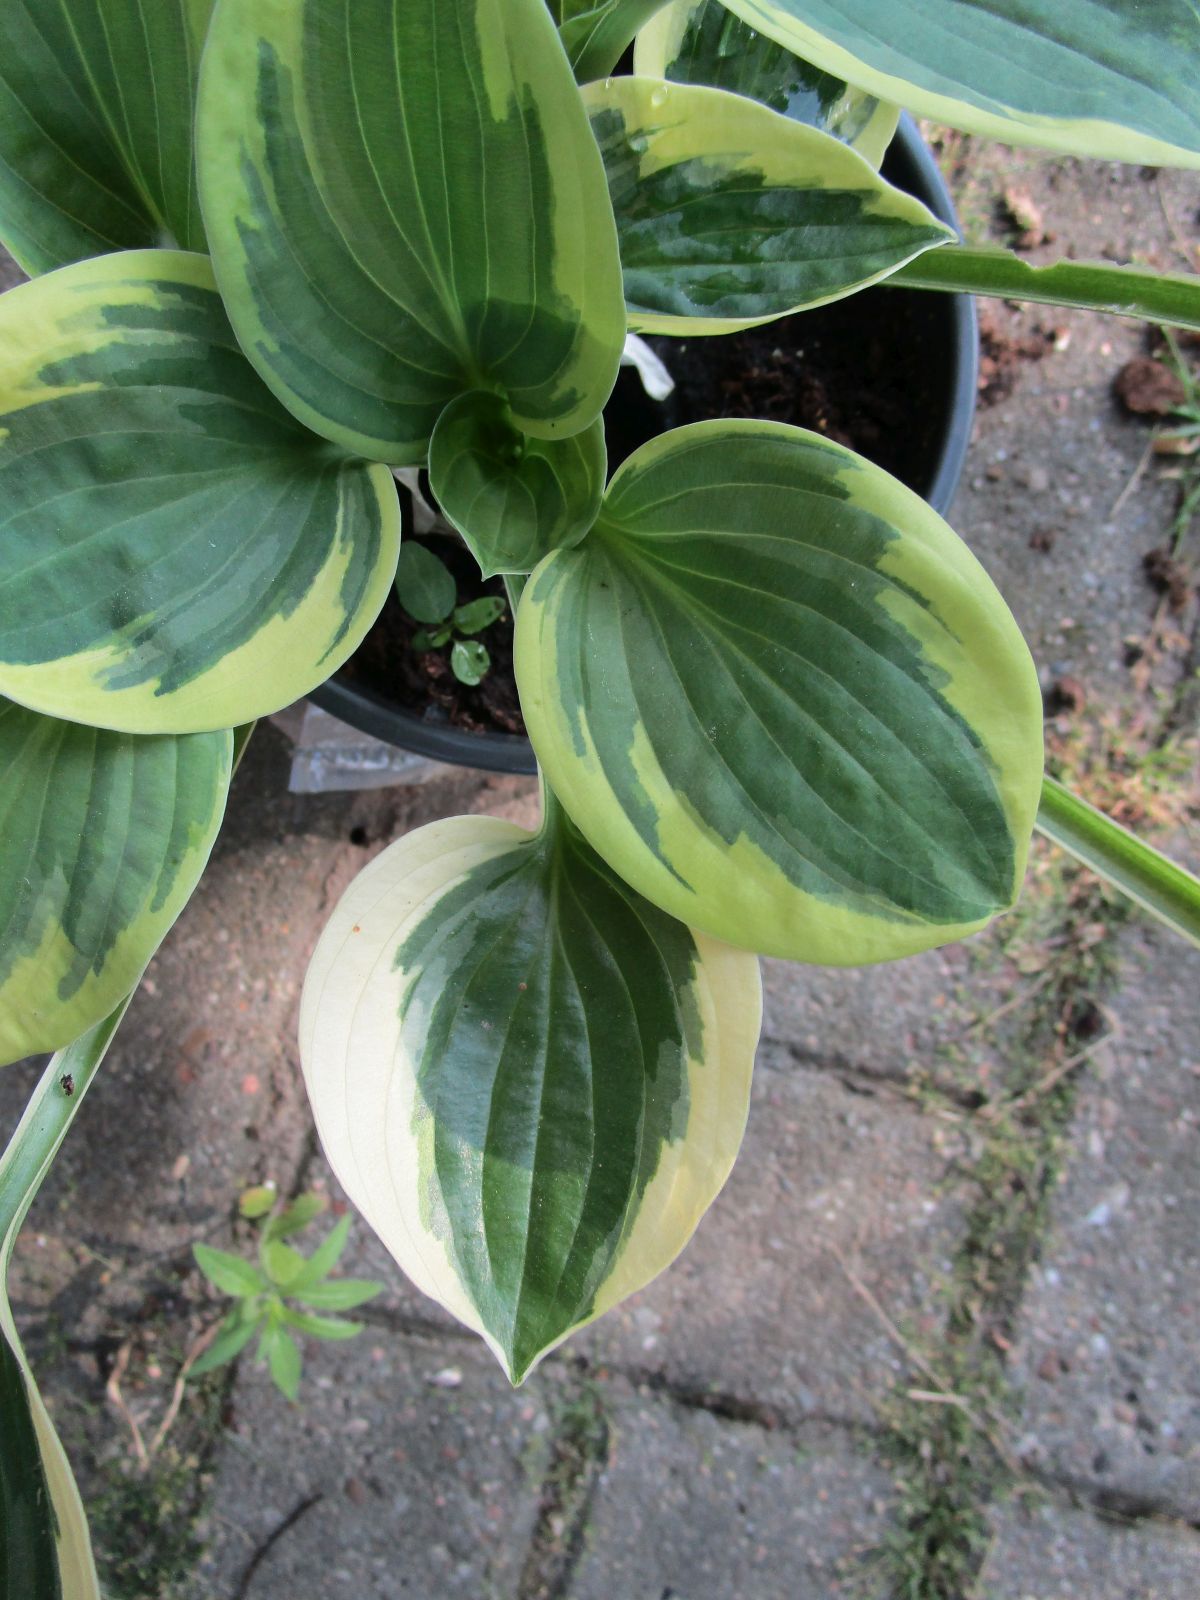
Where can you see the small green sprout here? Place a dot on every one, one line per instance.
(261, 1290)
(427, 591)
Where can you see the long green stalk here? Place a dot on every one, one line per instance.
(1157, 884)
(1124, 291)
(45, 1551)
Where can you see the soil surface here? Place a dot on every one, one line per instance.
(859, 371)
(421, 681)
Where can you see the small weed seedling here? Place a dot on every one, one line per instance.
(426, 589)
(261, 1290)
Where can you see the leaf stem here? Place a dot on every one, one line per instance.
(1123, 291)
(1148, 877)
(49, 1114)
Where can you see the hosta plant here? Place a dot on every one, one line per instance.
(280, 249)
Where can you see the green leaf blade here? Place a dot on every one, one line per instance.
(282, 1262)
(730, 214)
(282, 1355)
(470, 661)
(331, 1328)
(702, 42)
(479, 614)
(1114, 79)
(96, 107)
(818, 731)
(103, 837)
(229, 1273)
(339, 1294)
(226, 1347)
(323, 1259)
(558, 1074)
(425, 586)
(178, 554)
(330, 137)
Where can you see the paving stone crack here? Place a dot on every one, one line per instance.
(579, 1452)
(272, 1539)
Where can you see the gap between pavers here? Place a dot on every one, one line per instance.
(1107, 1353)
(696, 1507)
(417, 1478)
(831, 1184)
(1052, 1552)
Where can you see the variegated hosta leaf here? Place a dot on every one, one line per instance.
(176, 553)
(45, 1550)
(1109, 78)
(513, 498)
(730, 214)
(103, 837)
(404, 203)
(783, 700)
(701, 41)
(96, 103)
(596, 33)
(530, 1081)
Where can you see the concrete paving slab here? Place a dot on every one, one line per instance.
(894, 1021)
(1043, 501)
(1107, 1355)
(830, 1181)
(695, 1507)
(1055, 1553)
(406, 1473)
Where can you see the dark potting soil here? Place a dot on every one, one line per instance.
(867, 372)
(421, 680)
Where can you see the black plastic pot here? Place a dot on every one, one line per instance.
(950, 355)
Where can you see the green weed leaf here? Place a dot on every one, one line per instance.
(424, 585)
(469, 661)
(229, 1273)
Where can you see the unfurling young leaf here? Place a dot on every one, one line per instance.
(282, 1263)
(297, 1214)
(256, 1202)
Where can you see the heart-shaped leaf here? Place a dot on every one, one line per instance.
(103, 837)
(783, 700)
(512, 497)
(404, 203)
(96, 106)
(1109, 78)
(701, 41)
(530, 1081)
(730, 214)
(176, 553)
